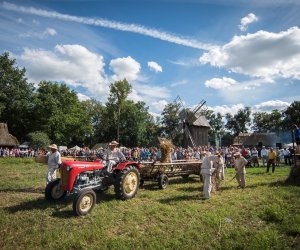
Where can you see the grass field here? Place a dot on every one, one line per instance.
(265, 215)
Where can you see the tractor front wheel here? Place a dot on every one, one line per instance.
(84, 202)
(53, 192)
(127, 183)
(163, 181)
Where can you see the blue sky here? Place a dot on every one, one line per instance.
(231, 53)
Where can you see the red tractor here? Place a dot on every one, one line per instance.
(84, 179)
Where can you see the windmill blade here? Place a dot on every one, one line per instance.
(199, 106)
(193, 117)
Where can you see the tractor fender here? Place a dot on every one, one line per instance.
(122, 165)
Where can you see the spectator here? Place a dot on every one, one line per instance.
(287, 156)
(271, 160)
(264, 155)
(254, 156)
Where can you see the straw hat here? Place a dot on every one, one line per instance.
(113, 143)
(54, 146)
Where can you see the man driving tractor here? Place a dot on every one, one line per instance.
(113, 155)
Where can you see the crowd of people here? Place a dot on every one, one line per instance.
(283, 155)
(16, 152)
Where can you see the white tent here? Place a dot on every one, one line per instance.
(60, 148)
(75, 148)
(289, 145)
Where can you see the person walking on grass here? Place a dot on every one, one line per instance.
(271, 160)
(206, 172)
(54, 161)
(240, 170)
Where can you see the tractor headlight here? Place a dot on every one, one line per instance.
(68, 168)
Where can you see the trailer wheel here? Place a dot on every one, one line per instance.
(53, 191)
(84, 202)
(163, 181)
(185, 176)
(127, 183)
(142, 183)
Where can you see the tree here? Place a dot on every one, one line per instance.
(134, 119)
(15, 97)
(38, 140)
(239, 122)
(125, 120)
(216, 125)
(260, 121)
(59, 113)
(170, 118)
(266, 122)
(95, 111)
(292, 115)
(119, 92)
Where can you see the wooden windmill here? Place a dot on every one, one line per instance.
(193, 124)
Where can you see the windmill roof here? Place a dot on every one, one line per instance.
(201, 122)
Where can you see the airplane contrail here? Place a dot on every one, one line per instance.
(134, 28)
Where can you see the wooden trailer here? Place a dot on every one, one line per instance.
(161, 172)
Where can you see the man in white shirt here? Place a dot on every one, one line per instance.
(113, 155)
(264, 155)
(206, 172)
(54, 160)
(254, 155)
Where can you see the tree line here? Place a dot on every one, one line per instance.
(52, 112)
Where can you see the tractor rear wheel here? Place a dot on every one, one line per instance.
(127, 183)
(163, 181)
(53, 192)
(84, 202)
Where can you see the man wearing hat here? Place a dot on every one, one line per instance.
(239, 166)
(113, 155)
(54, 160)
(206, 172)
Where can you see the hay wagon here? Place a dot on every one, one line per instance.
(161, 172)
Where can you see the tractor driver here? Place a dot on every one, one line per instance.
(113, 155)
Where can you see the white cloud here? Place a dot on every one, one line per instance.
(125, 67)
(220, 83)
(41, 35)
(271, 105)
(186, 62)
(50, 31)
(152, 91)
(73, 64)
(245, 21)
(135, 28)
(160, 105)
(262, 54)
(224, 109)
(83, 97)
(179, 83)
(154, 96)
(266, 106)
(154, 66)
